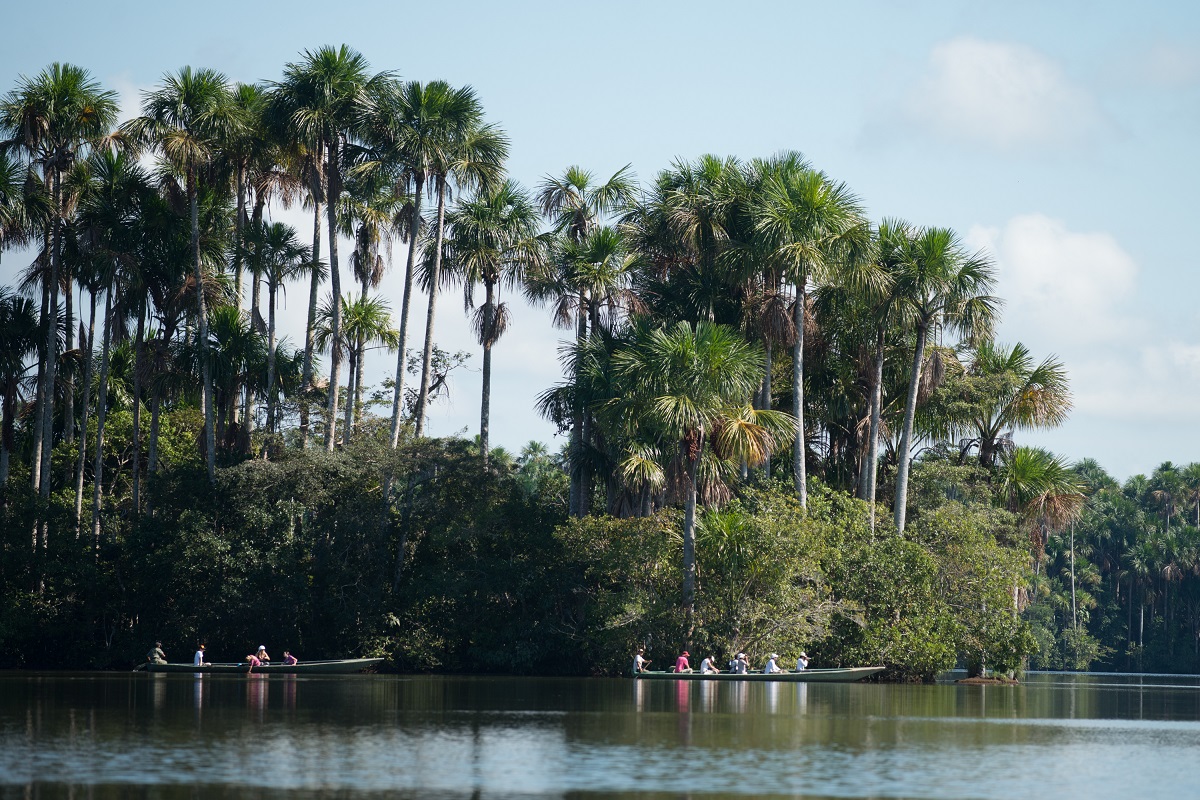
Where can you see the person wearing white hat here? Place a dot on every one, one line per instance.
(262, 654)
(802, 662)
(772, 668)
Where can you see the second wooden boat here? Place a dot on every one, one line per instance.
(832, 675)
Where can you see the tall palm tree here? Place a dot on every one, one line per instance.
(185, 120)
(1043, 490)
(941, 287)
(472, 157)
(326, 99)
(687, 388)
(52, 118)
(576, 204)
(280, 257)
(493, 240)
(816, 231)
(367, 323)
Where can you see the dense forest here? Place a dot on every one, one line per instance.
(787, 426)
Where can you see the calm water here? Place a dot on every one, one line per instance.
(174, 736)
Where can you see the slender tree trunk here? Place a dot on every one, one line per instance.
(876, 415)
(239, 240)
(766, 399)
(348, 424)
(69, 388)
(310, 327)
(101, 416)
(136, 477)
(689, 550)
(155, 408)
(576, 504)
(335, 285)
(485, 404)
(405, 303)
(210, 420)
(1074, 611)
(47, 406)
(910, 410)
(87, 401)
(799, 467)
(39, 398)
(7, 430)
(271, 394)
(434, 280)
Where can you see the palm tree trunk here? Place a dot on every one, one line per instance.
(799, 468)
(310, 327)
(69, 389)
(485, 404)
(576, 504)
(348, 424)
(7, 429)
(155, 409)
(87, 401)
(51, 374)
(36, 460)
(405, 303)
(766, 400)
(101, 416)
(137, 413)
(873, 434)
(689, 550)
(270, 356)
(434, 279)
(335, 284)
(210, 421)
(910, 411)
(239, 230)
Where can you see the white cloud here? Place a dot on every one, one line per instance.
(1002, 95)
(1069, 284)
(1169, 64)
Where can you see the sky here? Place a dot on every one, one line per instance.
(1059, 137)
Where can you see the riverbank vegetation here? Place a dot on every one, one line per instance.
(753, 365)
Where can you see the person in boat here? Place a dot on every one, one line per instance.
(639, 660)
(198, 660)
(156, 654)
(739, 665)
(253, 661)
(802, 662)
(772, 668)
(289, 659)
(709, 666)
(262, 654)
(681, 663)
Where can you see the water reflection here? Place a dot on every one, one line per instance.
(92, 735)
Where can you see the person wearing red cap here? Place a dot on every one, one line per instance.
(681, 663)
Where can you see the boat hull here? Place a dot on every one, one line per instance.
(340, 667)
(843, 675)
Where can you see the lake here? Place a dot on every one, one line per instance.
(105, 735)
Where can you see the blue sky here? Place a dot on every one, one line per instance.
(1060, 136)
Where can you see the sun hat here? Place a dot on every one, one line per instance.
(803, 654)
(686, 653)
(262, 647)
(774, 655)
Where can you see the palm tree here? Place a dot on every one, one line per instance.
(279, 258)
(576, 204)
(817, 232)
(472, 157)
(52, 117)
(1011, 392)
(942, 287)
(367, 323)
(687, 388)
(326, 99)
(492, 240)
(1044, 490)
(186, 120)
(18, 341)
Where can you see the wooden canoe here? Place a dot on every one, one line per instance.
(833, 675)
(339, 667)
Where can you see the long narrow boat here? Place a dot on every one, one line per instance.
(339, 667)
(834, 675)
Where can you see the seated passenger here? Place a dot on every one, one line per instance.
(709, 666)
(802, 662)
(289, 659)
(772, 668)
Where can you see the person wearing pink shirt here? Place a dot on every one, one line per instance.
(681, 663)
